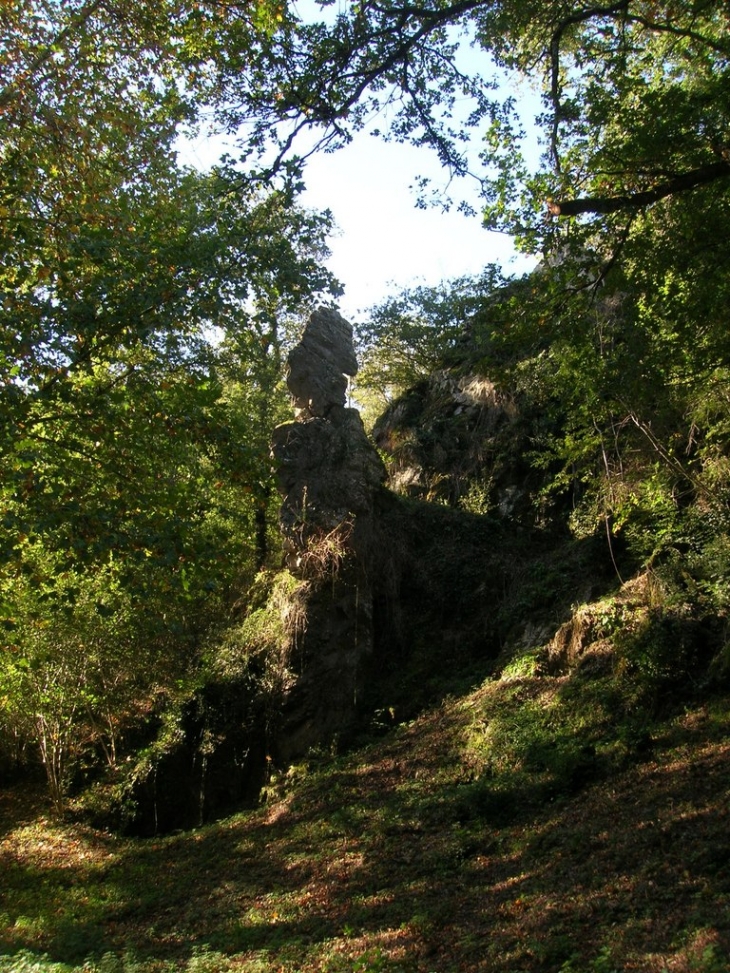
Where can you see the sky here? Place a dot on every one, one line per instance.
(385, 243)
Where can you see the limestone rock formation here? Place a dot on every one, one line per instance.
(319, 363)
(456, 439)
(329, 475)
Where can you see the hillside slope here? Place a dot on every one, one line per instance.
(531, 823)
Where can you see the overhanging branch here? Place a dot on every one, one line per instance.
(603, 205)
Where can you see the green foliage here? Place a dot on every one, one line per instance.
(374, 961)
(602, 963)
(258, 648)
(409, 336)
(634, 105)
(524, 665)
(144, 311)
(84, 660)
(27, 962)
(543, 740)
(620, 338)
(203, 960)
(206, 960)
(708, 961)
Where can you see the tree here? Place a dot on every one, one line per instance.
(623, 329)
(117, 265)
(141, 311)
(635, 96)
(415, 333)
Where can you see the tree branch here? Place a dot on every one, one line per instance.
(602, 205)
(677, 32)
(578, 17)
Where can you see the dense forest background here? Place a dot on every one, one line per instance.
(147, 310)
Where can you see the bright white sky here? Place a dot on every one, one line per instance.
(385, 243)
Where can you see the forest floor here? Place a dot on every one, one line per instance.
(416, 853)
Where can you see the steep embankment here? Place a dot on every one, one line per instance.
(545, 820)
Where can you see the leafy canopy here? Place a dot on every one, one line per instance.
(143, 312)
(634, 93)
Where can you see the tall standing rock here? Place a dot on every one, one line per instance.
(329, 476)
(319, 364)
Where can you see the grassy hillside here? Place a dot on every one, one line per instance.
(544, 819)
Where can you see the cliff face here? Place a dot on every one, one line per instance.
(401, 587)
(391, 585)
(455, 439)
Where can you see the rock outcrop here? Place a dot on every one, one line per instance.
(456, 439)
(319, 364)
(329, 476)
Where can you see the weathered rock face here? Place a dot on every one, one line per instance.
(218, 763)
(455, 439)
(319, 363)
(329, 476)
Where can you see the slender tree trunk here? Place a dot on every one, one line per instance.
(261, 525)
